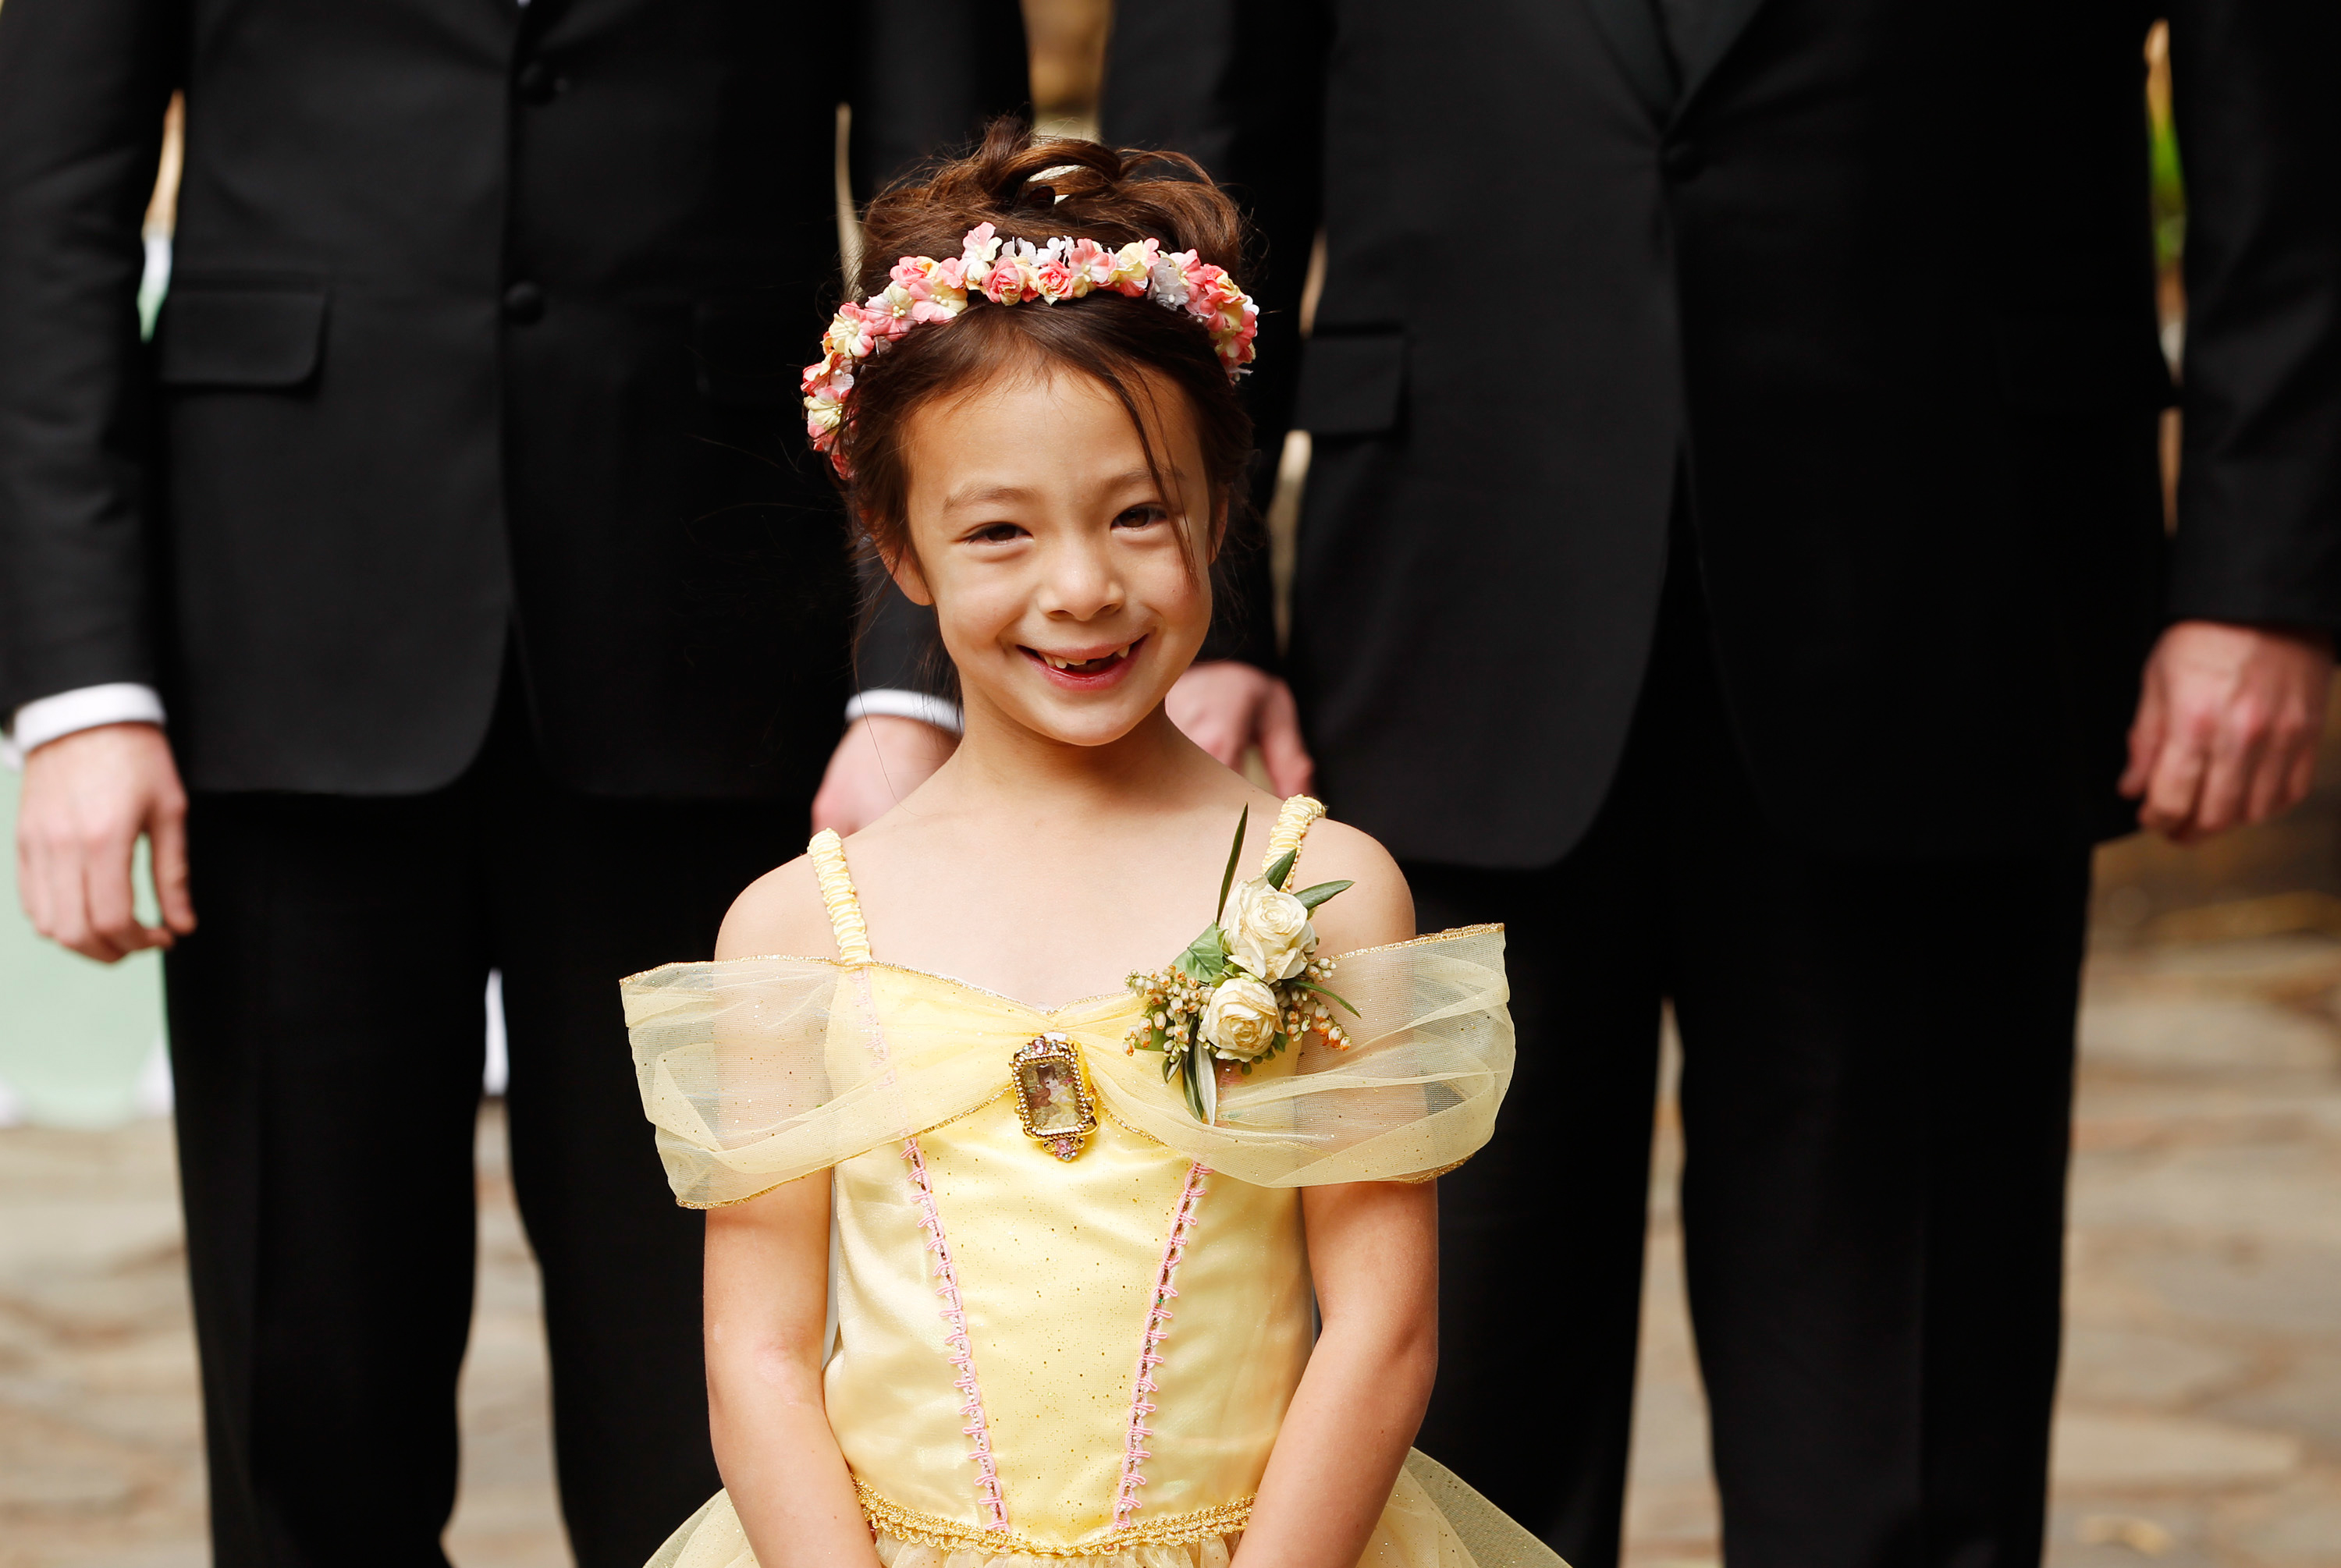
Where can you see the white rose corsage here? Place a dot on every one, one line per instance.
(1245, 989)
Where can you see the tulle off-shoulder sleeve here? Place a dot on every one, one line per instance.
(1415, 1095)
(757, 1071)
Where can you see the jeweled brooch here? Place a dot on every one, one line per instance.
(1052, 1095)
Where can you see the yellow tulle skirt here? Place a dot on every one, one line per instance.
(1434, 1521)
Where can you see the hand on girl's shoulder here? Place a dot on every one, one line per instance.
(1379, 909)
(779, 913)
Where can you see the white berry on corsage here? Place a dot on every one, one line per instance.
(1248, 987)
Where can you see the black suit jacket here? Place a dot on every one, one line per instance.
(484, 328)
(1875, 275)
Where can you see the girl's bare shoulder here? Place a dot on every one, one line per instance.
(1378, 908)
(780, 912)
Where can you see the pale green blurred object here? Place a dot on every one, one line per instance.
(78, 1039)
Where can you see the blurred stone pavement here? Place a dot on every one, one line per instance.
(2199, 1415)
(101, 1441)
(2200, 1421)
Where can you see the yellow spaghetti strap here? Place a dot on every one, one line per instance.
(828, 852)
(1291, 826)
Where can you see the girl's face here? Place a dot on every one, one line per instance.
(1068, 598)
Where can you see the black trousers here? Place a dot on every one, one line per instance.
(326, 1029)
(1876, 1096)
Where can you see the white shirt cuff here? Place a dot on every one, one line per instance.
(47, 719)
(889, 702)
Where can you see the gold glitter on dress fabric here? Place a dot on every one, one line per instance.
(952, 1535)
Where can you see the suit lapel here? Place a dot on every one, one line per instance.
(1725, 21)
(1631, 29)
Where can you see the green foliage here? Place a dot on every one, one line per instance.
(1235, 853)
(2167, 182)
(2169, 199)
(1206, 957)
(1312, 985)
(1312, 897)
(1276, 874)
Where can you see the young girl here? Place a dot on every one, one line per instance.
(1050, 1295)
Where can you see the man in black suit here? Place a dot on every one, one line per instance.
(1732, 547)
(459, 517)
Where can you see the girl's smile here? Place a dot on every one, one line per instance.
(1082, 671)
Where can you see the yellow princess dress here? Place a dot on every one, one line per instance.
(1068, 1315)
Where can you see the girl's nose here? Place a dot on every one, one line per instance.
(1079, 581)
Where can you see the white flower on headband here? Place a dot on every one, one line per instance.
(1167, 285)
(921, 290)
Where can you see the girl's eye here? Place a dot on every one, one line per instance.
(1144, 516)
(996, 533)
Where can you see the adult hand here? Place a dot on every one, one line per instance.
(1226, 706)
(86, 799)
(2226, 727)
(881, 759)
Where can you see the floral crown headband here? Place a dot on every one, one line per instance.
(922, 289)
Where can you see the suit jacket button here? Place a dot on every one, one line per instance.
(541, 84)
(1681, 160)
(524, 303)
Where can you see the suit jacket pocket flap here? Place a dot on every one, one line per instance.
(1349, 385)
(241, 335)
(2080, 364)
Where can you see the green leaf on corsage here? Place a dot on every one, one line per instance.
(1312, 985)
(1206, 957)
(1196, 1063)
(1235, 853)
(1276, 873)
(1312, 897)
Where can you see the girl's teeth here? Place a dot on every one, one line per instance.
(1056, 663)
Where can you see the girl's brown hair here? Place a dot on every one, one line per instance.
(1035, 188)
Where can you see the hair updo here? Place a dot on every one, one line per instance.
(1036, 188)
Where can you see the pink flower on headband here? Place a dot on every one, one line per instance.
(1004, 284)
(920, 290)
(1089, 261)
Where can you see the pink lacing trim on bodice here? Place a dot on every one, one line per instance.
(853, 947)
(1134, 1453)
(962, 1353)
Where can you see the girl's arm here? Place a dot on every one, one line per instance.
(767, 1308)
(1373, 1247)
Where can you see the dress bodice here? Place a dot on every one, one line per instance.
(1041, 1355)
(1070, 1355)
(1121, 1333)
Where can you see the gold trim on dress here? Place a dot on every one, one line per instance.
(891, 1518)
(1489, 928)
(991, 1099)
(752, 1198)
